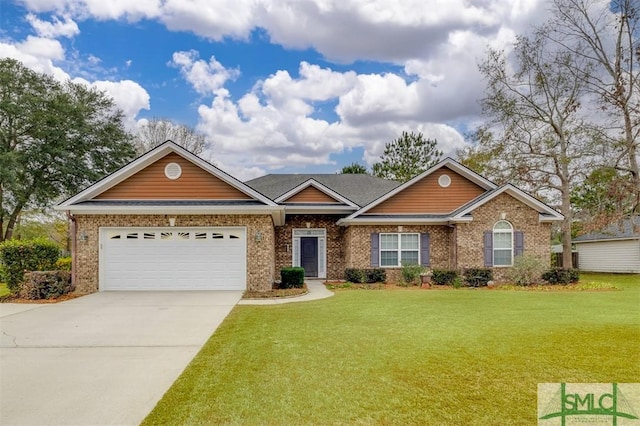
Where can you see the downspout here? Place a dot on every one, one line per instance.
(73, 231)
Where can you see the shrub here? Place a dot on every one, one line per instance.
(292, 277)
(444, 276)
(45, 284)
(63, 264)
(376, 275)
(355, 275)
(411, 272)
(477, 277)
(561, 276)
(369, 276)
(526, 270)
(18, 256)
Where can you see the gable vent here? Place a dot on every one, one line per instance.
(173, 171)
(444, 181)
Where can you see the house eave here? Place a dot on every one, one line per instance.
(396, 221)
(599, 240)
(292, 209)
(277, 213)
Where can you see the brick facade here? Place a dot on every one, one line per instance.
(358, 246)
(459, 246)
(334, 243)
(523, 218)
(260, 254)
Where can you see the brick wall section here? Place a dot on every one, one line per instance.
(260, 255)
(521, 217)
(335, 238)
(357, 250)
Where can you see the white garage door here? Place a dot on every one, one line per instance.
(173, 258)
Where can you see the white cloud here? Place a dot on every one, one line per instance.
(211, 19)
(99, 9)
(127, 95)
(205, 77)
(56, 28)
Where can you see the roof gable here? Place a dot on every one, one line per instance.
(428, 196)
(469, 183)
(151, 183)
(313, 192)
(144, 179)
(547, 214)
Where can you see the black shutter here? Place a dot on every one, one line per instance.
(375, 250)
(424, 250)
(488, 248)
(519, 243)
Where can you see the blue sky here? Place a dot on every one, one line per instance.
(298, 86)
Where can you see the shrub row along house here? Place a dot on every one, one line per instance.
(172, 221)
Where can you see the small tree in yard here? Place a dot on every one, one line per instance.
(407, 157)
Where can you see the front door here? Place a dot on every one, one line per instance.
(309, 256)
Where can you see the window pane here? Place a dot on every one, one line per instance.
(389, 258)
(502, 225)
(502, 240)
(409, 258)
(409, 241)
(502, 257)
(389, 241)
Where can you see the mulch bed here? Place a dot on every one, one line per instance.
(276, 293)
(16, 299)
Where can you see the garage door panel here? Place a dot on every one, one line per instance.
(173, 259)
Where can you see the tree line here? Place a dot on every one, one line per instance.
(58, 137)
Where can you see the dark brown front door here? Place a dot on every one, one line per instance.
(309, 256)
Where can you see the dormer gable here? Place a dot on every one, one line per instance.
(313, 192)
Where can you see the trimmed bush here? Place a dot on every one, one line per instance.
(444, 276)
(411, 273)
(365, 276)
(45, 284)
(63, 264)
(18, 256)
(477, 277)
(355, 275)
(376, 275)
(561, 276)
(526, 270)
(292, 277)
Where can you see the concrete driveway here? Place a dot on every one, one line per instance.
(106, 358)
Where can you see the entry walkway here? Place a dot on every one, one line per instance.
(316, 288)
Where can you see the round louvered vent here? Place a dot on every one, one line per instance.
(444, 181)
(173, 171)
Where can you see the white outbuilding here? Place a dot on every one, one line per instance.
(614, 249)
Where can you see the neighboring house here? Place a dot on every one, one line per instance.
(614, 249)
(170, 220)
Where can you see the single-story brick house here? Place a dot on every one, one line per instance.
(170, 220)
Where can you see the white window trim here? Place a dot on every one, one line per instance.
(493, 251)
(399, 250)
(321, 235)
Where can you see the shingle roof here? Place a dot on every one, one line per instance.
(359, 188)
(629, 228)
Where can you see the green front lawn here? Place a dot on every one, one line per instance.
(407, 357)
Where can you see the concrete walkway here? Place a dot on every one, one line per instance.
(102, 359)
(316, 288)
